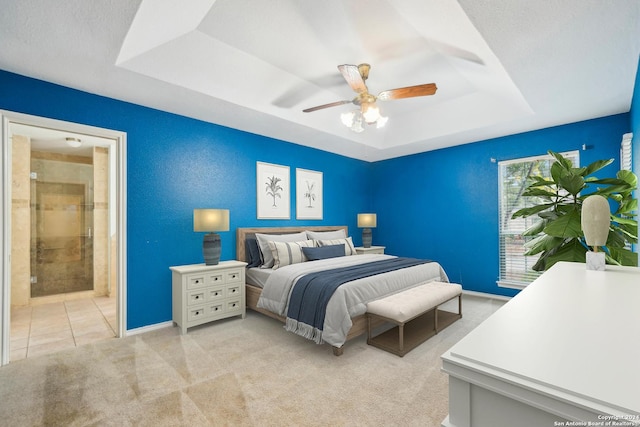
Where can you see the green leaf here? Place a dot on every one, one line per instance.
(558, 171)
(611, 181)
(563, 162)
(530, 211)
(624, 256)
(567, 225)
(627, 206)
(535, 228)
(540, 182)
(538, 192)
(572, 183)
(571, 251)
(541, 244)
(606, 192)
(597, 165)
(629, 177)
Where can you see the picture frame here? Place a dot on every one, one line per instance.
(309, 194)
(273, 191)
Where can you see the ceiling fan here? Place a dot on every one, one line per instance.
(356, 75)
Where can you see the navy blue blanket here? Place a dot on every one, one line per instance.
(311, 293)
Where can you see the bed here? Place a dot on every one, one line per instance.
(355, 323)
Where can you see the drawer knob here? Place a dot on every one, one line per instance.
(233, 305)
(197, 281)
(233, 290)
(233, 276)
(197, 296)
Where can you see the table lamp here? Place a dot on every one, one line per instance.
(210, 220)
(366, 221)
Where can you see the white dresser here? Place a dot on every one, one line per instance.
(565, 351)
(204, 293)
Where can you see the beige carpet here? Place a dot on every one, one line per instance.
(234, 372)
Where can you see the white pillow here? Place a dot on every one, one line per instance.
(265, 251)
(287, 253)
(349, 249)
(326, 235)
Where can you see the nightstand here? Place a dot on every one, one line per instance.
(204, 293)
(371, 250)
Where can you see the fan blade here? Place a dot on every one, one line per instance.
(320, 107)
(408, 92)
(351, 74)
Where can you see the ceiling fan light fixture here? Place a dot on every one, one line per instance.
(348, 118)
(353, 120)
(370, 112)
(73, 142)
(381, 122)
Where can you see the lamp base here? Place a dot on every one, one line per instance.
(366, 237)
(595, 261)
(211, 248)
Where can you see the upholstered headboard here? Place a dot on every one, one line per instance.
(243, 233)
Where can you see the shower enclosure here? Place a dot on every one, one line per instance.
(62, 208)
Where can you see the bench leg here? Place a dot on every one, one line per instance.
(460, 305)
(401, 333)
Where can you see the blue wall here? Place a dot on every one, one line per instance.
(176, 164)
(443, 204)
(440, 205)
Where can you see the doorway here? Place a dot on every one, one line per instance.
(63, 222)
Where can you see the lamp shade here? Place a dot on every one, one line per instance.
(211, 220)
(595, 220)
(367, 220)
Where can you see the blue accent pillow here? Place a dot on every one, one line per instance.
(323, 252)
(252, 252)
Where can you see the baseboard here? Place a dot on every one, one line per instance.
(149, 328)
(486, 295)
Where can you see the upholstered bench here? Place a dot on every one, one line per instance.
(416, 316)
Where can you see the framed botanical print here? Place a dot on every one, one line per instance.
(273, 191)
(308, 194)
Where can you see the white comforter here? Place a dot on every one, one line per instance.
(350, 299)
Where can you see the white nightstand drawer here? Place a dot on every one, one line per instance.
(195, 281)
(196, 313)
(196, 297)
(215, 293)
(234, 305)
(233, 290)
(234, 276)
(215, 309)
(215, 278)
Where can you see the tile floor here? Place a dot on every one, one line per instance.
(48, 328)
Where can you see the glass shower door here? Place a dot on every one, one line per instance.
(61, 238)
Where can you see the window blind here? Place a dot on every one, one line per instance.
(625, 151)
(514, 177)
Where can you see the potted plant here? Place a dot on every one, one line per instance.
(559, 207)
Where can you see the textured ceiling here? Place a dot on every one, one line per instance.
(501, 67)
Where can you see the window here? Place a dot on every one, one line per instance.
(514, 177)
(625, 152)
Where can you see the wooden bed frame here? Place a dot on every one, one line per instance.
(359, 326)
